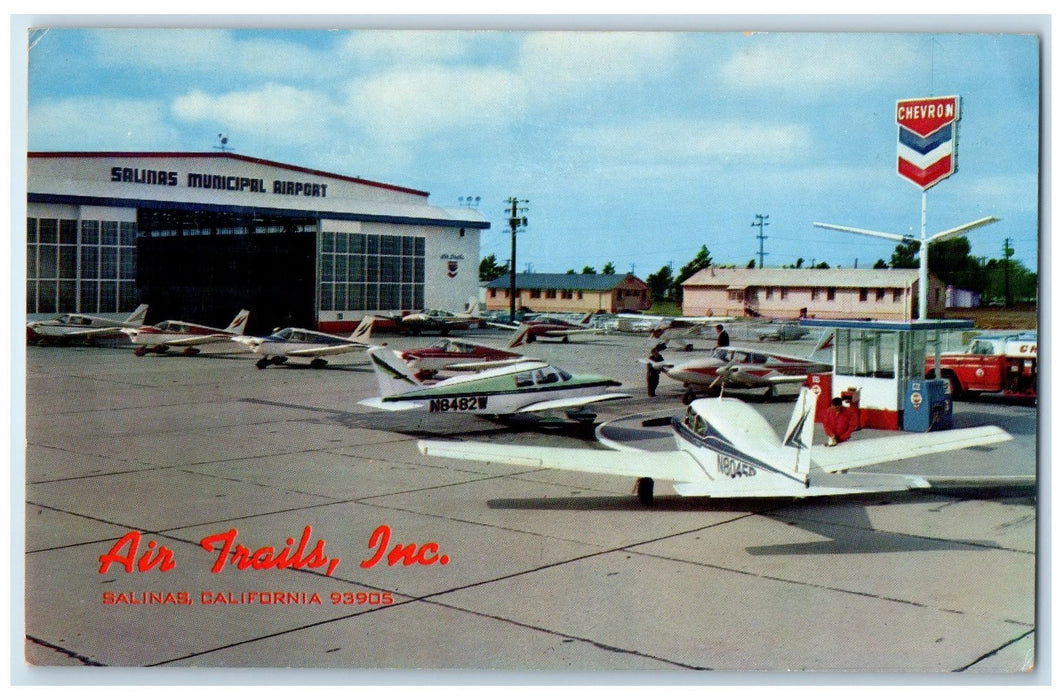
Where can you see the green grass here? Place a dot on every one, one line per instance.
(664, 308)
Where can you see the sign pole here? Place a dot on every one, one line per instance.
(923, 268)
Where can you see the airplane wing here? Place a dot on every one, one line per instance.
(486, 364)
(200, 340)
(570, 331)
(739, 376)
(382, 405)
(861, 453)
(91, 332)
(674, 465)
(572, 402)
(326, 350)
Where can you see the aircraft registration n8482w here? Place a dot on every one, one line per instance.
(726, 449)
(525, 387)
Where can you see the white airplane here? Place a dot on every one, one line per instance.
(160, 337)
(300, 343)
(728, 450)
(458, 355)
(546, 326)
(662, 329)
(71, 327)
(526, 387)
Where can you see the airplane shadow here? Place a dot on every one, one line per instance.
(854, 535)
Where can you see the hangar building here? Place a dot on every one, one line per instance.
(198, 236)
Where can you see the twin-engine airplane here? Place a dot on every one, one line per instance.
(742, 368)
(725, 449)
(435, 320)
(301, 343)
(457, 355)
(526, 387)
(553, 327)
(181, 334)
(78, 327)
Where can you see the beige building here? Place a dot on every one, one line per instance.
(790, 293)
(556, 293)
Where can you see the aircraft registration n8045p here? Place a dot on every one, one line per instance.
(525, 387)
(160, 337)
(79, 327)
(726, 449)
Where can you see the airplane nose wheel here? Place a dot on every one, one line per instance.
(645, 490)
(262, 363)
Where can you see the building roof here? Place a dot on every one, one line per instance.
(548, 280)
(739, 278)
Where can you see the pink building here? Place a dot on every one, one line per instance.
(557, 293)
(789, 293)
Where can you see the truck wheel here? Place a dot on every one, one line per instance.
(953, 385)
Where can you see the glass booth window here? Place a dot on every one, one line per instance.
(866, 353)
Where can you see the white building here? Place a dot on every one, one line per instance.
(201, 235)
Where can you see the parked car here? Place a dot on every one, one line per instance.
(782, 332)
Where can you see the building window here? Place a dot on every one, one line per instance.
(881, 294)
(814, 293)
(535, 293)
(566, 294)
(735, 294)
(863, 294)
(897, 295)
(551, 293)
(783, 293)
(769, 293)
(364, 272)
(831, 293)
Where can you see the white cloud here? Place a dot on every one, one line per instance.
(214, 51)
(843, 62)
(406, 105)
(97, 123)
(603, 57)
(685, 140)
(406, 46)
(272, 107)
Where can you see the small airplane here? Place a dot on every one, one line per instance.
(457, 355)
(526, 387)
(288, 343)
(742, 368)
(553, 327)
(437, 320)
(72, 327)
(160, 337)
(726, 449)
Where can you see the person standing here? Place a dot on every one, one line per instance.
(653, 367)
(723, 338)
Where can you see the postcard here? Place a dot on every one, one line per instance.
(482, 349)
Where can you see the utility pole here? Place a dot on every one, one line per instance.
(1007, 252)
(516, 221)
(760, 222)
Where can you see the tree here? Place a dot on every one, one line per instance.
(905, 256)
(799, 263)
(700, 261)
(822, 266)
(588, 271)
(489, 269)
(881, 265)
(751, 265)
(659, 283)
(608, 269)
(571, 271)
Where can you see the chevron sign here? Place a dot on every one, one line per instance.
(925, 153)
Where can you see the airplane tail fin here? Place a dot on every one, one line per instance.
(801, 431)
(586, 319)
(238, 323)
(393, 376)
(825, 344)
(138, 315)
(519, 337)
(363, 331)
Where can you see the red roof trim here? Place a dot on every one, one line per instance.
(232, 156)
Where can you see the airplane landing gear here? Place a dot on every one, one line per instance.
(318, 363)
(262, 363)
(140, 351)
(689, 396)
(191, 351)
(645, 490)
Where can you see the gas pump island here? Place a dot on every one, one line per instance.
(880, 367)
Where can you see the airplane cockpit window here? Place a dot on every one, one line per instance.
(547, 375)
(523, 379)
(565, 376)
(285, 334)
(757, 359)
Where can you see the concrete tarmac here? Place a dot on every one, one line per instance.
(137, 462)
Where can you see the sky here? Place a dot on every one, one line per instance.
(629, 147)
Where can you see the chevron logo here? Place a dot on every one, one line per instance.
(925, 152)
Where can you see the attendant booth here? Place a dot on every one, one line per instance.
(879, 366)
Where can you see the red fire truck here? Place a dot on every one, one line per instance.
(1000, 362)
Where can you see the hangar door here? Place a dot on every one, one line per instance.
(209, 278)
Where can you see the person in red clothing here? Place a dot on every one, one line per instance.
(838, 422)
